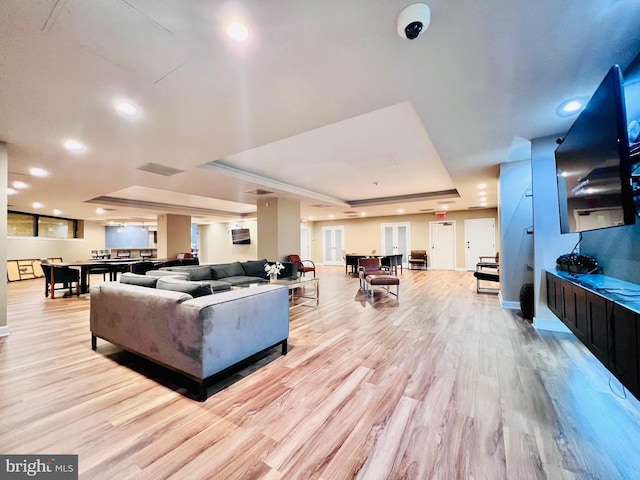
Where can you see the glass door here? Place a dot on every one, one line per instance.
(332, 245)
(396, 239)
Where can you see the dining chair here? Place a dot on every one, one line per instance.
(64, 275)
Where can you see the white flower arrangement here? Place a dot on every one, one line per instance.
(273, 270)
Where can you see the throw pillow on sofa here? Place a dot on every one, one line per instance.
(222, 270)
(195, 289)
(202, 272)
(137, 279)
(255, 268)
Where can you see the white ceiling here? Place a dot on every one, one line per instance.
(324, 103)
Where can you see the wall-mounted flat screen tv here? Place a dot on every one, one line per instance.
(240, 236)
(593, 164)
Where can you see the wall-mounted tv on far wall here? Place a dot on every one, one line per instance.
(593, 163)
(240, 236)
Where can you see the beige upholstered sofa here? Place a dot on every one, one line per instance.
(202, 337)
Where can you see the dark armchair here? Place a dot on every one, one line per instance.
(64, 275)
(418, 258)
(303, 266)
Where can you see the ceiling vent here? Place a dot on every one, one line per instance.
(159, 169)
(350, 213)
(259, 191)
(321, 205)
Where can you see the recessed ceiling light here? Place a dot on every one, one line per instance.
(363, 214)
(20, 185)
(11, 191)
(57, 212)
(128, 109)
(570, 107)
(482, 194)
(38, 172)
(444, 207)
(100, 211)
(37, 205)
(481, 186)
(400, 210)
(483, 204)
(330, 216)
(237, 31)
(74, 146)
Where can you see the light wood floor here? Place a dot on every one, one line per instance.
(443, 384)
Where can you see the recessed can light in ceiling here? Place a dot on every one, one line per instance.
(127, 109)
(237, 31)
(74, 146)
(570, 107)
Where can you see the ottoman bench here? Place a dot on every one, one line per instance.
(385, 280)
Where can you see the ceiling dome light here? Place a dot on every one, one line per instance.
(20, 185)
(38, 172)
(37, 205)
(11, 191)
(74, 146)
(237, 31)
(57, 212)
(128, 109)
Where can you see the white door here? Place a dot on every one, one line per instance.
(305, 243)
(443, 245)
(332, 245)
(479, 240)
(395, 239)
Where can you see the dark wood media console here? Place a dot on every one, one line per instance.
(604, 313)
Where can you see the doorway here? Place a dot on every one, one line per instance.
(305, 243)
(442, 238)
(396, 239)
(332, 245)
(479, 240)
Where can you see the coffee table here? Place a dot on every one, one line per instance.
(303, 291)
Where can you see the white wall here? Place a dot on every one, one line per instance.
(4, 165)
(216, 245)
(69, 249)
(516, 256)
(549, 243)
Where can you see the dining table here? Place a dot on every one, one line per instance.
(391, 261)
(114, 264)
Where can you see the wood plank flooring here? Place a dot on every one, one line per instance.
(442, 384)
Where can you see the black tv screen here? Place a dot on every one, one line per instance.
(240, 236)
(593, 165)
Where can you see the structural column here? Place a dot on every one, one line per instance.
(4, 167)
(278, 228)
(174, 235)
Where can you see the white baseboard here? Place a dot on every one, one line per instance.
(508, 305)
(550, 325)
(4, 331)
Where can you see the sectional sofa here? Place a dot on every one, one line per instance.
(223, 276)
(182, 325)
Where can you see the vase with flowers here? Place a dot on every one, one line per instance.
(273, 270)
